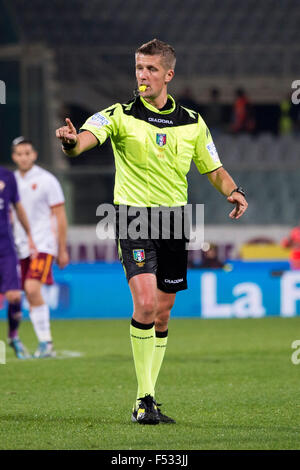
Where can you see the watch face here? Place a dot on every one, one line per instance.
(239, 190)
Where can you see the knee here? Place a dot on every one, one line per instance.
(148, 306)
(145, 309)
(163, 314)
(162, 320)
(165, 307)
(13, 297)
(32, 291)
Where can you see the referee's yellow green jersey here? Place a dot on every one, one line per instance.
(153, 150)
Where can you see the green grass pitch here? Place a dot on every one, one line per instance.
(230, 384)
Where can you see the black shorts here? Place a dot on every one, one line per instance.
(164, 257)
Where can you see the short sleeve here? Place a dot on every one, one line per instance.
(55, 193)
(103, 124)
(206, 156)
(14, 193)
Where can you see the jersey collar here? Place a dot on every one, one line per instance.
(28, 173)
(155, 110)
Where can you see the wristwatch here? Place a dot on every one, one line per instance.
(67, 146)
(238, 189)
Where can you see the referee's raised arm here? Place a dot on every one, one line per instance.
(74, 144)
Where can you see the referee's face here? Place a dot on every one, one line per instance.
(150, 71)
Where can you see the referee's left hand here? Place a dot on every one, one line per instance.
(240, 205)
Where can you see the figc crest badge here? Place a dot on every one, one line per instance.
(161, 139)
(139, 255)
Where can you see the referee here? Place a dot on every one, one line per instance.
(154, 140)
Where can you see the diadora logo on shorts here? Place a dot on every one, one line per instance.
(161, 139)
(173, 281)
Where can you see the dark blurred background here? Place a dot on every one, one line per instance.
(236, 62)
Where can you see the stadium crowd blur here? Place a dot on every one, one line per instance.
(242, 116)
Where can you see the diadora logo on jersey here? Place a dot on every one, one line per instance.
(34, 186)
(2, 185)
(161, 139)
(98, 120)
(213, 151)
(159, 120)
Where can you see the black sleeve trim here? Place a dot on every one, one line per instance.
(208, 172)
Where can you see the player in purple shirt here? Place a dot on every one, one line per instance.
(9, 268)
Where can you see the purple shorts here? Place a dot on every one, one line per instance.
(10, 278)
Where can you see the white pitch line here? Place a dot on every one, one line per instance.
(68, 354)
